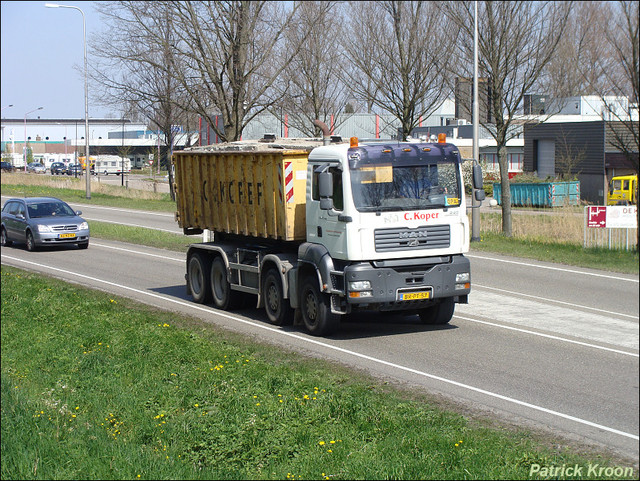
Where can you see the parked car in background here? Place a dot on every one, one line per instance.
(7, 167)
(42, 221)
(58, 168)
(36, 168)
(74, 169)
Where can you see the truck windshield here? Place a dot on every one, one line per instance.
(387, 187)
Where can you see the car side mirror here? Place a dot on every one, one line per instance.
(78, 212)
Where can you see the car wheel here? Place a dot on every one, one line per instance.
(31, 243)
(83, 245)
(3, 238)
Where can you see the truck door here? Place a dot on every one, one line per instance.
(324, 226)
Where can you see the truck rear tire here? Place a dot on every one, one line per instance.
(316, 309)
(197, 273)
(277, 307)
(223, 297)
(438, 314)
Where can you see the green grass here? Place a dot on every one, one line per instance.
(95, 386)
(564, 253)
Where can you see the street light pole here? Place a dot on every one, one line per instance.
(86, 94)
(475, 204)
(24, 146)
(10, 105)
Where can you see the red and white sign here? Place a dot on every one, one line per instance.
(150, 162)
(597, 216)
(613, 216)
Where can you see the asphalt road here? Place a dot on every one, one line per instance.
(539, 344)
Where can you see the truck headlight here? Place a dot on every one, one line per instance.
(359, 285)
(359, 289)
(43, 228)
(463, 277)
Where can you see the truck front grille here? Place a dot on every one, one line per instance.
(427, 237)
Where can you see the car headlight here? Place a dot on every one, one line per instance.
(83, 226)
(43, 228)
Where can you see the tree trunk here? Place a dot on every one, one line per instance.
(506, 190)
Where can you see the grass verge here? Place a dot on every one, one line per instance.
(100, 387)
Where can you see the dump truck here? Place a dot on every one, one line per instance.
(623, 190)
(317, 229)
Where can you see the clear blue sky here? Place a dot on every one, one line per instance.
(40, 48)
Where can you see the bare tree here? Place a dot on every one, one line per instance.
(310, 86)
(608, 66)
(516, 41)
(134, 65)
(231, 53)
(399, 53)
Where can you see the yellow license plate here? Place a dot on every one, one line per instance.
(412, 296)
(67, 236)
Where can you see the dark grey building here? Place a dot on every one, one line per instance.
(588, 151)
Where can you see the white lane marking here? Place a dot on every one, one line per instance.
(124, 209)
(119, 209)
(543, 299)
(549, 336)
(562, 269)
(349, 352)
(131, 251)
(132, 225)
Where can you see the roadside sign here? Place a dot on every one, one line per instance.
(151, 162)
(612, 216)
(597, 216)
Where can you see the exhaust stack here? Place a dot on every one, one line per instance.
(326, 133)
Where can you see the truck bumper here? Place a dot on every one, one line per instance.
(410, 284)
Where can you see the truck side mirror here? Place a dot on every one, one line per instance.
(325, 189)
(478, 186)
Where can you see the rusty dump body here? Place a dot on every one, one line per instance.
(248, 188)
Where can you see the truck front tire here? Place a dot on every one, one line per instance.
(277, 307)
(197, 272)
(438, 314)
(316, 309)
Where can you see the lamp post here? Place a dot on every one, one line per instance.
(475, 204)
(6, 107)
(86, 94)
(24, 146)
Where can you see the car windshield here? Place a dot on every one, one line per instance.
(50, 209)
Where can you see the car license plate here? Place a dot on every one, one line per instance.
(413, 296)
(67, 236)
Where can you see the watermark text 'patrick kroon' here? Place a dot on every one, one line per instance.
(575, 470)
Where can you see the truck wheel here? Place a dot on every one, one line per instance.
(223, 297)
(316, 309)
(197, 270)
(278, 309)
(438, 314)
